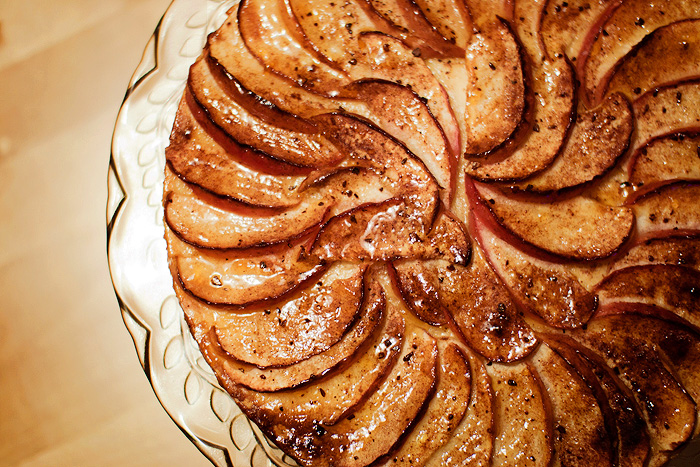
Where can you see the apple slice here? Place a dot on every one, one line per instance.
(547, 289)
(666, 159)
(580, 434)
(577, 228)
(496, 88)
(672, 208)
(666, 407)
(674, 288)
(401, 113)
(308, 323)
(443, 414)
(472, 441)
(450, 18)
(474, 298)
(391, 410)
(271, 34)
(204, 220)
(220, 165)
(523, 420)
(243, 277)
(295, 147)
(226, 46)
(332, 397)
(619, 408)
(623, 30)
(569, 28)
(611, 122)
(668, 55)
(232, 372)
(681, 251)
(665, 111)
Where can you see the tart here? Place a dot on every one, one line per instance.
(448, 232)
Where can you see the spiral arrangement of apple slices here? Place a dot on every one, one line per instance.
(448, 232)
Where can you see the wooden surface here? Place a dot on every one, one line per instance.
(72, 390)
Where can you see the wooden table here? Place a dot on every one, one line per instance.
(72, 391)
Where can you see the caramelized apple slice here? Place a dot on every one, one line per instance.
(523, 422)
(271, 34)
(332, 397)
(577, 228)
(620, 410)
(547, 289)
(226, 46)
(241, 277)
(681, 251)
(390, 411)
(668, 55)
(474, 298)
(233, 373)
(667, 409)
(495, 102)
(580, 434)
(308, 323)
(622, 31)
(665, 111)
(552, 114)
(472, 441)
(202, 219)
(296, 147)
(671, 208)
(450, 18)
(666, 159)
(611, 122)
(569, 28)
(444, 412)
(401, 113)
(220, 165)
(674, 288)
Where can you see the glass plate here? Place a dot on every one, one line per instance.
(181, 379)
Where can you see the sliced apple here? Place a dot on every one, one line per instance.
(401, 113)
(619, 408)
(309, 322)
(390, 411)
(271, 34)
(241, 277)
(232, 372)
(333, 396)
(549, 290)
(220, 165)
(496, 88)
(672, 208)
(202, 219)
(666, 407)
(668, 55)
(669, 110)
(450, 18)
(674, 288)
(226, 46)
(472, 441)
(681, 251)
(295, 147)
(483, 12)
(523, 421)
(580, 434)
(623, 30)
(583, 158)
(569, 28)
(666, 159)
(474, 298)
(444, 412)
(577, 228)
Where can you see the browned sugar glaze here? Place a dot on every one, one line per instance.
(447, 232)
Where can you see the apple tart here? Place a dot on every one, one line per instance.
(447, 232)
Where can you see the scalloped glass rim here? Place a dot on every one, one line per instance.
(183, 382)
